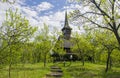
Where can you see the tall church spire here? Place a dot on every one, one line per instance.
(66, 24)
(66, 29)
(66, 20)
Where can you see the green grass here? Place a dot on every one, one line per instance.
(26, 71)
(75, 70)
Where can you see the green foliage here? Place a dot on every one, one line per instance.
(44, 43)
(115, 57)
(82, 45)
(15, 28)
(58, 48)
(14, 32)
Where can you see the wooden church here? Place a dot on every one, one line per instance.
(66, 42)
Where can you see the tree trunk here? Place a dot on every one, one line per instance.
(83, 59)
(117, 36)
(9, 70)
(81, 53)
(93, 57)
(83, 62)
(10, 62)
(45, 60)
(108, 61)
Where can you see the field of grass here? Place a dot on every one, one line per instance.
(26, 71)
(75, 70)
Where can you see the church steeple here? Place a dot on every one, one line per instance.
(66, 24)
(66, 20)
(66, 29)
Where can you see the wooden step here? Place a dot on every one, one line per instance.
(55, 67)
(56, 70)
(54, 75)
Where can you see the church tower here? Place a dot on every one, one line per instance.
(66, 30)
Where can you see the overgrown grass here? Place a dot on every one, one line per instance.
(75, 70)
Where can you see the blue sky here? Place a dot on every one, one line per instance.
(57, 5)
(38, 12)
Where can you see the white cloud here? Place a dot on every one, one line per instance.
(32, 14)
(53, 20)
(44, 6)
(72, 1)
(29, 12)
(73, 6)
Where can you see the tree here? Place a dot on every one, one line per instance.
(82, 46)
(28, 53)
(14, 30)
(44, 41)
(100, 13)
(107, 40)
(37, 53)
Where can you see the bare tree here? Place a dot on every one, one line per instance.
(100, 13)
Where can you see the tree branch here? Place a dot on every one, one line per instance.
(118, 26)
(96, 23)
(108, 22)
(110, 1)
(11, 2)
(118, 5)
(92, 13)
(100, 3)
(94, 2)
(113, 14)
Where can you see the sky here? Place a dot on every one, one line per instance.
(38, 12)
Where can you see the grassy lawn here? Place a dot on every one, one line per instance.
(75, 70)
(26, 71)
